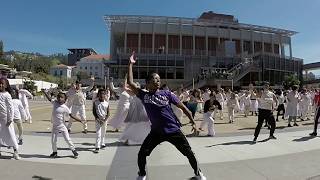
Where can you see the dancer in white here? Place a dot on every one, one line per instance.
(232, 104)
(137, 123)
(281, 99)
(247, 103)
(59, 111)
(208, 115)
(23, 96)
(304, 105)
(7, 134)
(221, 96)
(123, 105)
(19, 114)
(78, 105)
(101, 113)
(292, 106)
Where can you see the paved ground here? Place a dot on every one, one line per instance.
(229, 155)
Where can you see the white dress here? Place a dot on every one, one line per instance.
(122, 109)
(137, 123)
(7, 134)
(292, 105)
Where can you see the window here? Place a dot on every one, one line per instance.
(55, 73)
(85, 67)
(179, 73)
(61, 72)
(96, 67)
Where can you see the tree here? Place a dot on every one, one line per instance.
(29, 85)
(290, 80)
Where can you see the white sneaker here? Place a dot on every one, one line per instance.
(200, 177)
(16, 156)
(142, 178)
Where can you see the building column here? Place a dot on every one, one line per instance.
(193, 42)
(167, 38)
(262, 43)
(281, 46)
(252, 43)
(153, 37)
(272, 44)
(180, 38)
(207, 42)
(241, 44)
(139, 38)
(290, 48)
(125, 37)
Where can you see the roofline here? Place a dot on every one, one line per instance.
(109, 19)
(82, 48)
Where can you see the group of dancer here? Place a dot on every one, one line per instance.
(152, 114)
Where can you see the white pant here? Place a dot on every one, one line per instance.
(100, 133)
(231, 114)
(54, 136)
(28, 115)
(207, 118)
(75, 110)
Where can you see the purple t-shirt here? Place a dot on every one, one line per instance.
(158, 107)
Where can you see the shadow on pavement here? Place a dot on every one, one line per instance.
(238, 143)
(40, 156)
(306, 138)
(40, 178)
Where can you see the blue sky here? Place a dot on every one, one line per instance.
(53, 26)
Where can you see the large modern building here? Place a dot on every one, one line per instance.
(182, 50)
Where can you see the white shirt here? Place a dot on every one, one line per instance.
(206, 96)
(78, 99)
(18, 110)
(266, 100)
(185, 96)
(101, 108)
(6, 108)
(23, 96)
(281, 98)
(59, 111)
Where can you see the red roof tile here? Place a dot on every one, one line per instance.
(98, 57)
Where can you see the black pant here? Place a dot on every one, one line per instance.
(316, 119)
(177, 139)
(267, 115)
(281, 108)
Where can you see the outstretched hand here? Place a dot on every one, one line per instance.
(133, 58)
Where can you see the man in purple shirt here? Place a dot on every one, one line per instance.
(165, 126)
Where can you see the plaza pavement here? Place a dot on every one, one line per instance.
(230, 155)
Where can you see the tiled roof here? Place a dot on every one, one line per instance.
(98, 57)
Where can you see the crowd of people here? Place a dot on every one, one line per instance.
(152, 113)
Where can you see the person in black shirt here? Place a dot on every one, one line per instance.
(208, 115)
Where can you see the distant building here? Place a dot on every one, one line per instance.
(182, 49)
(61, 70)
(93, 65)
(76, 54)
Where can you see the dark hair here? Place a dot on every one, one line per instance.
(63, 94)
(295, 87)
(149, 77)
(101, 90)
(8, 88)
(15, 94)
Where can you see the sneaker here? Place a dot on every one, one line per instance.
(96, 151)
(289, 125)
(85, 131)
(199, 177)
(103, 146)
(142, 178)
(254, 140)
(313, 134)
(272, 137)
(20, 142)
(295, 124)
(16, 155)
(75, 154)
(302, 119)
(210, 135)
(54, 155)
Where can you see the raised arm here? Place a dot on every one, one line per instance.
(114, 89)
(132, 85)
(46, 94)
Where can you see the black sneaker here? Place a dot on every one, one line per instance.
(20, 142)
(75, 154)
(54, 155)
(295, 124)
(272, 137)
(103, 146)
(254, 140)
(313, 134)
(289, 125)
(96, 151)
(302, 119)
